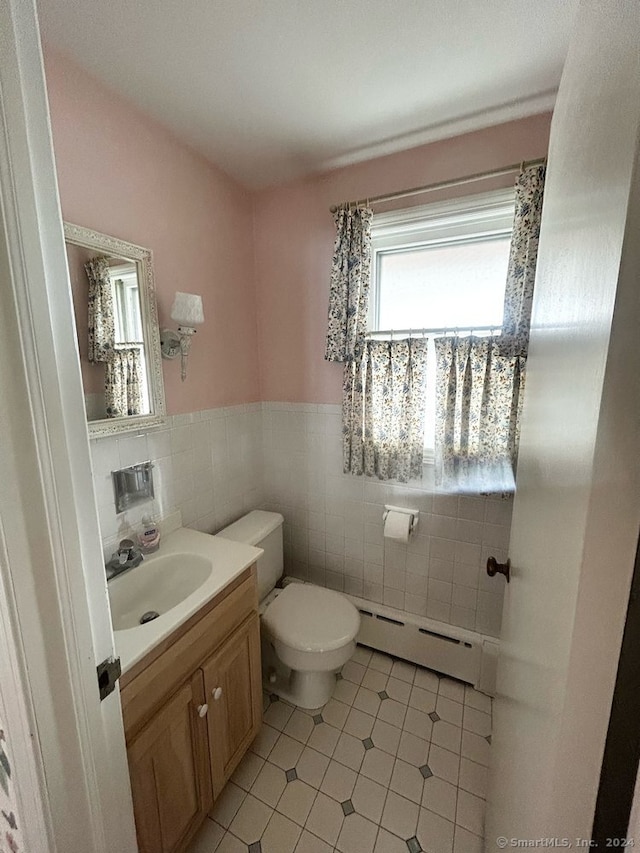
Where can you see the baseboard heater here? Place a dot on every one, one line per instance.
(452, 651)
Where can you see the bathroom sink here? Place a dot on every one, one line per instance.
(190, 569)
(159, 584)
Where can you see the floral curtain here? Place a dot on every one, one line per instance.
(480, 381)
(478, 402)
(122, 383)
(523, 256)
(101, 323)
(383, 410)
(11, 838)
(349, 285)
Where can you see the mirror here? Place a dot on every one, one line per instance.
(117, 327)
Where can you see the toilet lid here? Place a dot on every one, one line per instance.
(311, 618)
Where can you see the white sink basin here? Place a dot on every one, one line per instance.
(189, 570)
(156, 586)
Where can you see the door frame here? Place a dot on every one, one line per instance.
(68, 748)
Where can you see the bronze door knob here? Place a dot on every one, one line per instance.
(494, 568)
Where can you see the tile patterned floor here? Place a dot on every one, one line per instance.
(395, 762)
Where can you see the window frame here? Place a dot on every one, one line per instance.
(475, 218)
(126, 274)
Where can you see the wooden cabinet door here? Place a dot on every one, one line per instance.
(233, 687)
(169, 769)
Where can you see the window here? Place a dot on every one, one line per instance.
(443, 268)
(127, 317)
(126, 304)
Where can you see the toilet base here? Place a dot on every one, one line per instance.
(311, 689)
(308, 690)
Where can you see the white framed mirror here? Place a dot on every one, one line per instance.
(117, 329)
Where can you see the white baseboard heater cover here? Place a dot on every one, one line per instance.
(452, 651)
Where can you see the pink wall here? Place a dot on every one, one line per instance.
(294, 237)
(121, 173)
(261, 261)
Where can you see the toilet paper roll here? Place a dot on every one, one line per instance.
(397, 525)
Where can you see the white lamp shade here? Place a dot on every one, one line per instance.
(187, 309)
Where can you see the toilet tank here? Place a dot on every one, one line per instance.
(264, 530)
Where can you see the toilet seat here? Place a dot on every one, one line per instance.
(311, 618)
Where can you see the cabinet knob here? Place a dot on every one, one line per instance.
(202, 710)
(216, 693)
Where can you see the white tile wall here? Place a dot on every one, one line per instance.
(333, 526)
(218, 464)
(207, 464)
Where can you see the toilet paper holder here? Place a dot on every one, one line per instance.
(414, 513)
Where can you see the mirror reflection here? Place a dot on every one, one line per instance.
(106, 301)
(117, 331)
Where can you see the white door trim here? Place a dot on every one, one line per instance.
(60, 621)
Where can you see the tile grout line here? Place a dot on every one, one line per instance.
(338, 757)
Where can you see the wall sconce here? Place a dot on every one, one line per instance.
(187, 312)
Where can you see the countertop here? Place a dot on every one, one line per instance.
(229, 559)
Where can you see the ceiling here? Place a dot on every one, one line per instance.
(274, 89)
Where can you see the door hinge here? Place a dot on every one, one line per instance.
(109, 671)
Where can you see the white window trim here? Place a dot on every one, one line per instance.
(127, 272)
(439, 223)
(461, 220)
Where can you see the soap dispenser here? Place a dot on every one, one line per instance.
(149, 536)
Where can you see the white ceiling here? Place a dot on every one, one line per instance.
(274, 89)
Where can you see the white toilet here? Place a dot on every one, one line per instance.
(308, 632)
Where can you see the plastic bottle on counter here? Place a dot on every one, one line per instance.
(149, 536)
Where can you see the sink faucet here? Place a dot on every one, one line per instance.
(128, 556)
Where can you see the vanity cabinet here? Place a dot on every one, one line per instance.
(233, 687)
(170, 782)
(191, 710)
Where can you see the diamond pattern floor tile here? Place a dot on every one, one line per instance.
(395, 762)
